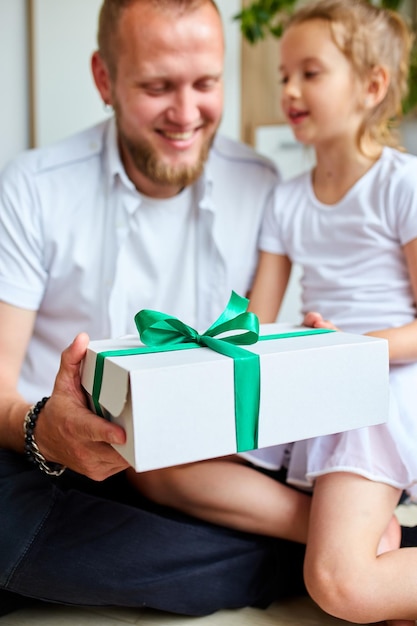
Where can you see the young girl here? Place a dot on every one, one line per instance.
(351, 224)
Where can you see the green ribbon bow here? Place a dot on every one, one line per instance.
(163, 333)
(160, 330)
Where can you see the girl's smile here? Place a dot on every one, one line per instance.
(296, 116)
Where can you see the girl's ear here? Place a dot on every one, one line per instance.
(101, 78)
(376, 86)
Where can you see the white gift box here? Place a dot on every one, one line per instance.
(178, 407)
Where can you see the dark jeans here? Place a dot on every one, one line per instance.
(74, 541)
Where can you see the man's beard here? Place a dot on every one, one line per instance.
(146, 160)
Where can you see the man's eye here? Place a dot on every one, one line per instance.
(206, 85)
(155, 90)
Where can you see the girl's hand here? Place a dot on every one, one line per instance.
(315, 320)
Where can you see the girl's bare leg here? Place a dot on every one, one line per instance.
(230, 493)
(344, 573)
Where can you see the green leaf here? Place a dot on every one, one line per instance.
(394, 5)
(276, 31)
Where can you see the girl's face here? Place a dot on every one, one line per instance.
(321, 97)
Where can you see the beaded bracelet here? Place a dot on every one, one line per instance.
(32, 451)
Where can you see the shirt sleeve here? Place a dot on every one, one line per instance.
(403, 202)
(270, 239)
(22, 273)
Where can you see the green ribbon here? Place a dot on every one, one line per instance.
(164, 333)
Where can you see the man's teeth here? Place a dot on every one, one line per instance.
(179, 136)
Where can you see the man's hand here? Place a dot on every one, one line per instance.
(69, 433)
(315, 320)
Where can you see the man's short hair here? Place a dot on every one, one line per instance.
(111, 11)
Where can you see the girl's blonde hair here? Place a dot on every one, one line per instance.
(369, 37)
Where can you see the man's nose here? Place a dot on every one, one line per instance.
(183, 109)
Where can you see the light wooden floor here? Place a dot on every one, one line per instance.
(301, 612)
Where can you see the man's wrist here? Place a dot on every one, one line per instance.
(32, 451)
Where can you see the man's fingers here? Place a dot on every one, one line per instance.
(80, 439)
(68, 377)
(97, 461)
(99, 429)
(74, 354)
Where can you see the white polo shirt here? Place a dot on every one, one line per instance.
(81, 246)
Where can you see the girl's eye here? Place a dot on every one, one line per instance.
(311, 74)
(284, 80)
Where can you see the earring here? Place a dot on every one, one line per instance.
(107, 107)
(367, 102)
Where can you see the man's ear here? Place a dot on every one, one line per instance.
(101, 77)
(377, 86)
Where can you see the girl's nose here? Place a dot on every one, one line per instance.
(291, 88)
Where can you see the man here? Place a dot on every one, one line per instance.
(148, 210)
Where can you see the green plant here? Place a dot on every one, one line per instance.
(263, 17)
(266, 17)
